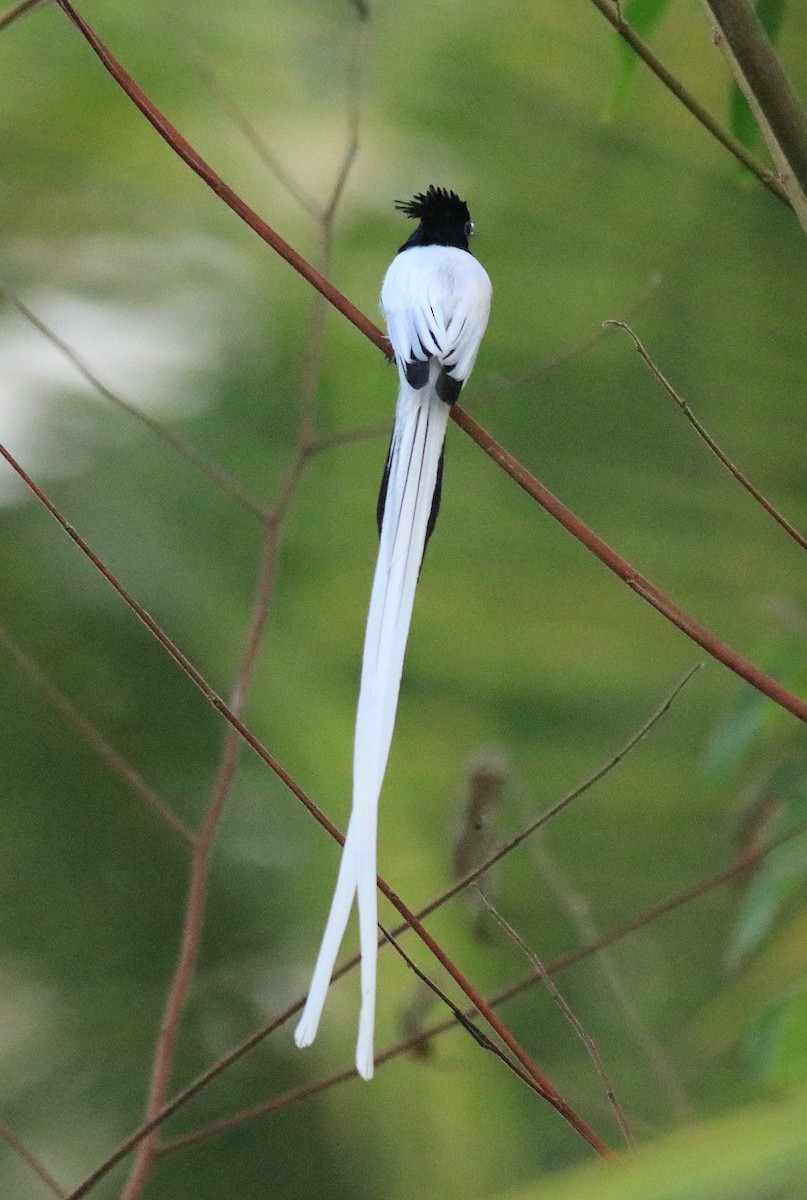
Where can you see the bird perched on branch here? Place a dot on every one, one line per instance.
(436, 300)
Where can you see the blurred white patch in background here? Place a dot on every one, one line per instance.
(155, 356)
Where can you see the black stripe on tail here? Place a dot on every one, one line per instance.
(435, 508)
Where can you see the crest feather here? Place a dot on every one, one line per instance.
(436, 204)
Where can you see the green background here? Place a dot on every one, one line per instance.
(595, 195)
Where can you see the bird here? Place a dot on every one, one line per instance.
(436, 301)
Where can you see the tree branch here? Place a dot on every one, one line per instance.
(769, 84)
(613, 14)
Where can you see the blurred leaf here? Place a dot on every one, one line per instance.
(783, 871)
(772, 886)
(788, 1064)
(734, 736)
(643, 16)
(778, 968)
(756, 1154)
(753, 714)
(741, 119)
(776, 881)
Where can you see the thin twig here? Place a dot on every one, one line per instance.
(8, 1135)
(585, 1037)
(94, 738)
(579, 911)
(731, 467)
(558, 358)
(200, 462)
(255, 139)
(17, 10)
(558, 807)
(460, 1017)
(637, 582)
(350, 437)
(614, 17)
(571, 958)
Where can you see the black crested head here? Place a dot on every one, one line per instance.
(444, 219)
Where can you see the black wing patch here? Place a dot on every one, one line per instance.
(447, 387)
(417, 373)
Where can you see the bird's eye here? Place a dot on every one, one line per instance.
(469, 228)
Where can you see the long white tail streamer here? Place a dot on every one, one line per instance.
(417, 442)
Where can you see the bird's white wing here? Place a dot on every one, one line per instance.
(436, 300)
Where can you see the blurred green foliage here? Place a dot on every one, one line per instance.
(519, 638)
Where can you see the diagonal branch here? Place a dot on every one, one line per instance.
(217, 475)
(17, 10)
(637, 582)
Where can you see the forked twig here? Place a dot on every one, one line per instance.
(731, 467)
(255, 139)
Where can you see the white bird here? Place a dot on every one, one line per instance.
(436, 300)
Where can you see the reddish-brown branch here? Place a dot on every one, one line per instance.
(692, 628)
